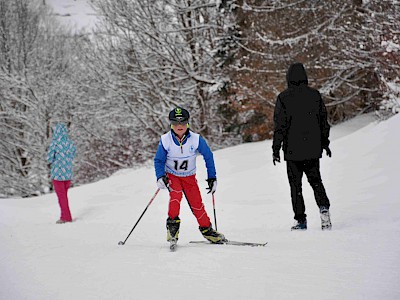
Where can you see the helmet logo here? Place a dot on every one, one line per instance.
(178, 112)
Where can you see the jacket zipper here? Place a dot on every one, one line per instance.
(181, 142)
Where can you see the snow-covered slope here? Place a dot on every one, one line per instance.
(358, 259)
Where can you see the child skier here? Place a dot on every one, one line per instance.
(61, 154)
(175, 167)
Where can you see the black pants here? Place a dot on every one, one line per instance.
(295, 170)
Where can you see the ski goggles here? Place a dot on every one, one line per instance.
(182, 121)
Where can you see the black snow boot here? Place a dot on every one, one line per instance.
(300, 225)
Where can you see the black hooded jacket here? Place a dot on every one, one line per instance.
(300, 119)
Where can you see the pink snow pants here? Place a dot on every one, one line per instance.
(188, 186)
(61, 188)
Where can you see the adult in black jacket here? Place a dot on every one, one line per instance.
(302, 129)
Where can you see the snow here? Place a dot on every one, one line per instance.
(358, 259)
(390, 46)
(77, 14)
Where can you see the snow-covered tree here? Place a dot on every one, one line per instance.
(338, 41)
(162, 54)
(35, 91)
(224, 60)
(149, 56)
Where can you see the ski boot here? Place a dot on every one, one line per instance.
(325, 218)
(300, 225)
(211, 235)
(173, 228)
(173, 231)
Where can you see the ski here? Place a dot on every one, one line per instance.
(234, 243)
(173, 244)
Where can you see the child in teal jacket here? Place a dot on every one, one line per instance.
(60, 155)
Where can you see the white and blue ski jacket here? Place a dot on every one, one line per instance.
(180, 159)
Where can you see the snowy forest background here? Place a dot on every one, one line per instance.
(224, 60)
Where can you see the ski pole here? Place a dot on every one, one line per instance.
(151, 200)
(215, 215)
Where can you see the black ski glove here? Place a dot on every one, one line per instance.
(276, 158)
(328, 151)
(212, 185)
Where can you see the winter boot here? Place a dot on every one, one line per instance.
(173, 228)
(325, 218)
(300, 225)
(61, 221)
(213, 236)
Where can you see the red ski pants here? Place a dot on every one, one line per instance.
(188, 186)
(61, 188)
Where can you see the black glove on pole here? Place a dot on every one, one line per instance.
(212, 185)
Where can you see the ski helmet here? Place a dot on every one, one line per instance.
(179, 115)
